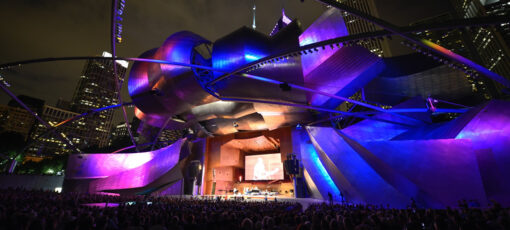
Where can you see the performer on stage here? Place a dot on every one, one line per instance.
(260, 173)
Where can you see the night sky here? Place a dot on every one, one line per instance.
(54, 28)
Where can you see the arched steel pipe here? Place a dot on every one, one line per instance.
(62, 137)
(52, 59)
(69, 120)
(159, 132)
(381, 33)
(308, 107)
(435, 48)
(179, 64)
(119, 82)
(452, 24)
(332, 96)
(201, 67)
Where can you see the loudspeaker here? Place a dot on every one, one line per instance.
(291, 166)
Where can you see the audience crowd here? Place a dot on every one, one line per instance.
(21, 209)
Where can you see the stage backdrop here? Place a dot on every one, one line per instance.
(226, 155)
(263, 167)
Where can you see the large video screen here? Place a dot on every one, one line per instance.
(263, 167)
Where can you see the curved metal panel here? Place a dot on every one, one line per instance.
(489, 131)
(328, 26)
(156, 120)
(99, 165)
(165, 160)
(343, 73)
(246, 45)
(238, 48)
(220, 126)
(163, 90)
(355, 175)
(221, 109)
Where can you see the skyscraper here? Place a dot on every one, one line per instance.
(356, 25)
(487, 43)
(46, 144)
(13, 117)
(502, 8)
(96, 89)
(459, 42)
(16, 119)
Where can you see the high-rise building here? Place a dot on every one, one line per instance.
(501, 8)
(63, 104)
(459, 42)
(119, 131)
(485, 46)
(96, 89)
(487, 43)
(169, 136)
(16, 119)
(35, 104)
(356, 25)
(47, 143)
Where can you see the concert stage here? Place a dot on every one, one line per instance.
(246, 118)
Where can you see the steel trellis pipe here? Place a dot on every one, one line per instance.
(159, 132)
(421, 42)
(332, 96)
(118, 82)
(307, 107)
(68, 121)
(61, 136)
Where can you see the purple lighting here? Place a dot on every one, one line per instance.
(103, 165)
(328, 26)
(123, 171)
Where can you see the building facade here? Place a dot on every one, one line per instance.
(16, 120)
(458, 41)
(96, 89)
(488, 43)
(357, 26)
(46, 143)
(501, 8)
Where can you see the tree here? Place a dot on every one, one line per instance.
(11, 147)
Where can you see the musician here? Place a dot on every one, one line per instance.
(260, 173)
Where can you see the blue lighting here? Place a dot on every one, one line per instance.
(265, 79)
(250, 57)
(107, 107)
(326, 183)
